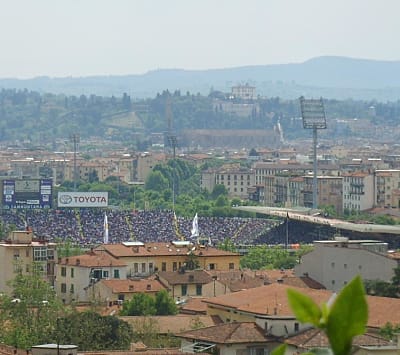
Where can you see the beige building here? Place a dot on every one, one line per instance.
(236, 180)
(333, 263)
(358, 191)
(387, 188)
(22, 253)
(116, 291)
(191, 283)
(329, 192)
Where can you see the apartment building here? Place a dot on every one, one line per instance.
(22, 253)
(329, 192)
(387, 188)
(358, 191)
(236, 180)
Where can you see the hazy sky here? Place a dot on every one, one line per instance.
(91, 37)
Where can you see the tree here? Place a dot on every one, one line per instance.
(165, 304)
(141, 304)
(227, 245)
(264, 257)
(91, 331)
(156, 182)
(30, 315)
(219, 190)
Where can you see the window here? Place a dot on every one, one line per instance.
(105, 274)
(116, 274)
(231, 266)
(71, 289)
(135, 268)
(163, 266)
(150, 267)
(50, 254)
(211, 266)
(199, 289)
(72, 272)
(174, 266)
(63, 288)
(143, 267)
(40, 254)
(296, 327)
(63, 271)
(184, 290)
(96, 274)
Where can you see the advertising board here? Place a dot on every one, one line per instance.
(27, 193)
(82, 199)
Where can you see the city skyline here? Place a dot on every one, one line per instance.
(75, 38)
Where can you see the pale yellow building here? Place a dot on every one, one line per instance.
(22, 253)
(144, 259)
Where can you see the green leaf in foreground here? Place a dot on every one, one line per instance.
(280, 350)
(347, 317)
(304, 308)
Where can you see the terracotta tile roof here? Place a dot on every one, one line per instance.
(272, 300)
(187, 277)
(312, 338)
(91, 259)
(382, 310)
(194, 305)
(266, 300)
(303, 281)
(161, 249)
(133, 286)
(173, 324)
(229, 333)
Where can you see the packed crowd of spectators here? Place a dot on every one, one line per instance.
(87, 227)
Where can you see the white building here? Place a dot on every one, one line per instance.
(333, 263)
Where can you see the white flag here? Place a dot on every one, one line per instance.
(195, 227)
(105, 229)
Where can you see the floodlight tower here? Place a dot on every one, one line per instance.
(75, 139)
(313, 114)
(172, 141)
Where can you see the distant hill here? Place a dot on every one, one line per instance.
(329, 77)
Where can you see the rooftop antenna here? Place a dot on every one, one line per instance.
(313, 114)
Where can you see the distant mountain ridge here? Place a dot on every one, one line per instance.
(330, 77)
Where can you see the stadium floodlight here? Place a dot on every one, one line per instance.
(313, 114)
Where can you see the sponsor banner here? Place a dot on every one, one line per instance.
(82, 199)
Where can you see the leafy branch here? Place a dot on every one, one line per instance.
(342, 318)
